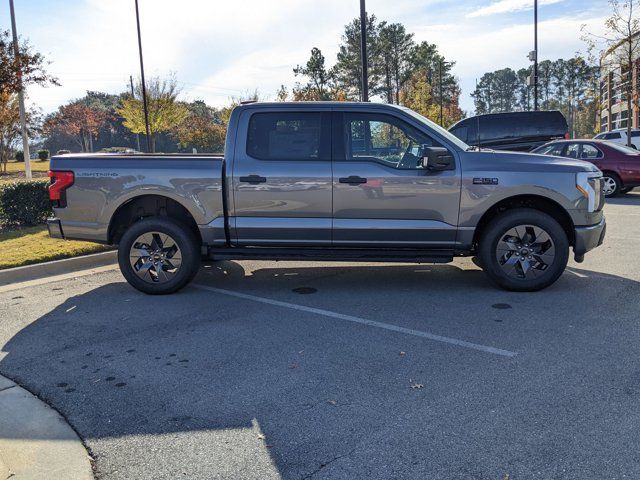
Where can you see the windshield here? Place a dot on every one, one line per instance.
(434, 126)
(623, 148)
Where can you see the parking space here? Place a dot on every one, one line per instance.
(308, 370)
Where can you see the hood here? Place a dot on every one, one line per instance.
(525, 162)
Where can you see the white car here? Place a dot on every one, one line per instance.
(620, 136)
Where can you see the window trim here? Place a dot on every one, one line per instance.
(325, 135)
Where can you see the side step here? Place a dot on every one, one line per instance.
(331, 254)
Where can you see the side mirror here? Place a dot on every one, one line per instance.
(437, 158)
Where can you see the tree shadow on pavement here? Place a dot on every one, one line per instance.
(263, 391)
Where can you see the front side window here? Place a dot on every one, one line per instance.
(546, 149)
(612, 136)
(385, 139)
(557, 149)
(589, 152)
(288, 136)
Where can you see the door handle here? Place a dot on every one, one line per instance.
(353, 180)
(253, 179)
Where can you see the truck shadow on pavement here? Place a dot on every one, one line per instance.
(266, 391)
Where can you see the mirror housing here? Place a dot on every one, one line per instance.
(437, 159)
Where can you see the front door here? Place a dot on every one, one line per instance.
(281, 180)
(382, 196)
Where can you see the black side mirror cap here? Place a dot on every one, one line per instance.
(437, 159)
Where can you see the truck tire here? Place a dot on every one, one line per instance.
(158, 255)
(524, 250)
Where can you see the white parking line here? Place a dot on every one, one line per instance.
(363, 321)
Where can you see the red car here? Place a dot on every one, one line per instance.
(620, 165)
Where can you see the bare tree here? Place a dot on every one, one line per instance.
(618, 47)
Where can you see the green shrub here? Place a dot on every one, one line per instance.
(43, 154)
(19, 156)
(24, 202)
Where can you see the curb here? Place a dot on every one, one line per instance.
(57, 267)
(36, 442)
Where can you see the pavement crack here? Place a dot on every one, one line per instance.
(326, 464)
(6, 388)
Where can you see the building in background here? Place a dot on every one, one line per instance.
(613, 82)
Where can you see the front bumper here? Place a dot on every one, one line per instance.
(55, 228)
(588, 238)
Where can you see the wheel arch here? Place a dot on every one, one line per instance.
(613, 173)
(143, 206)
(535, 202)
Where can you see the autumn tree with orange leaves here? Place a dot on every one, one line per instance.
(202, 129)
(80, 121)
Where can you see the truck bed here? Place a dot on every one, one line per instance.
(104, 183)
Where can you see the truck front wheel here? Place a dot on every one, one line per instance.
(524, 250)
(158, 255)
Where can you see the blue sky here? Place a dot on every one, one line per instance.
(219, 48)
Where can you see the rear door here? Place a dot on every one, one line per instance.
(382, 196)
(281, 179)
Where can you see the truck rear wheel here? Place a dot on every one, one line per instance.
(158, 255)
(524, 250)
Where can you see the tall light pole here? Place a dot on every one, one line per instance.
(535, 49)
(133, 95)
(441, 95)
(363, 51)
(144, 88)
(23, 115)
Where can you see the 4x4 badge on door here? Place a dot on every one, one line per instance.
(485, 181)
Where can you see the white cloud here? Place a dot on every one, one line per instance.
(508, 6)
(220, 48)
(482, 49)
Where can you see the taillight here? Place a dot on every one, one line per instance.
(567, 136)
(60, 181)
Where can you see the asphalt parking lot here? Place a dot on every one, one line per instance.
(300, 370)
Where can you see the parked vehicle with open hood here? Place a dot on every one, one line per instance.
(515, 131)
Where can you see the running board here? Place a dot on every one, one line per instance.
(332, 255)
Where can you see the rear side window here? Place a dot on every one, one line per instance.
(635, 134)
(289, 136)
(589, 152)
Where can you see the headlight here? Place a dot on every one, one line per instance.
(590, 185)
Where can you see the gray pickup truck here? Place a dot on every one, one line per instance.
(331, 181)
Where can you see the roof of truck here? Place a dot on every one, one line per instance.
(319, 103)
